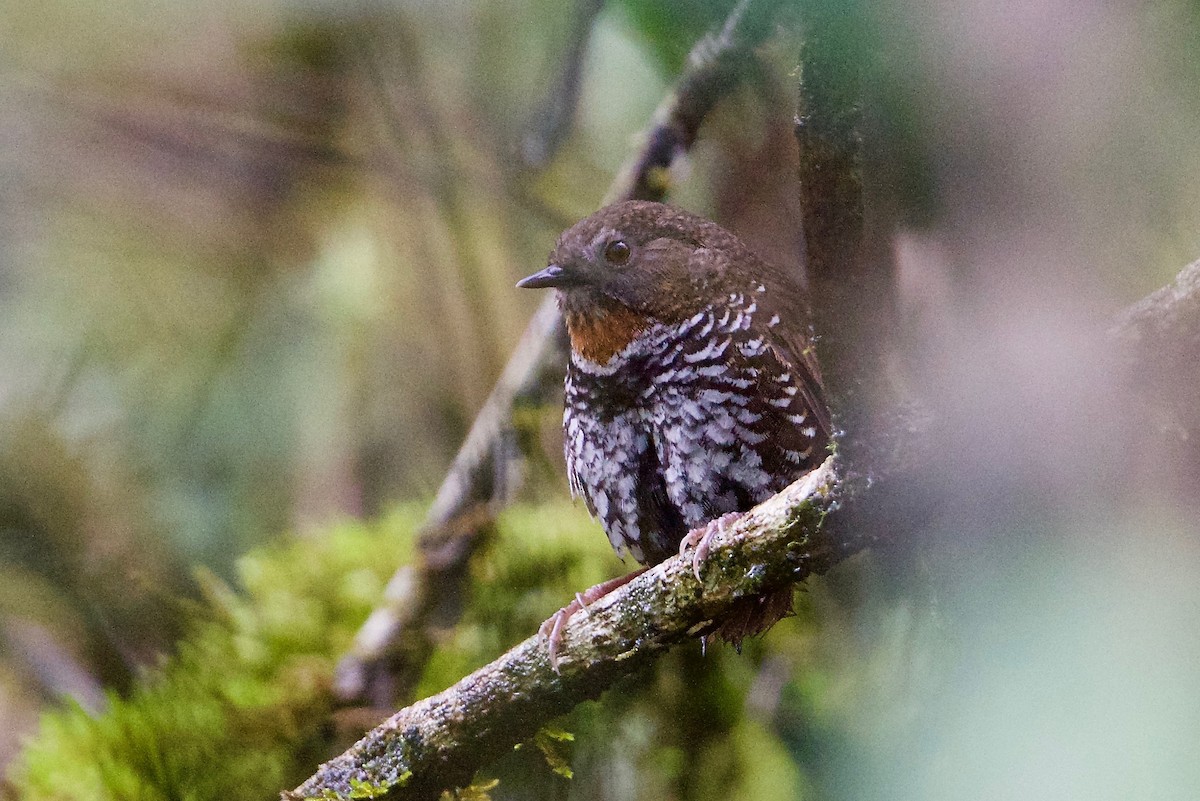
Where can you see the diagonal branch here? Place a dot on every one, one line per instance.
(392, 646)
(440, 742)
(1157, 340)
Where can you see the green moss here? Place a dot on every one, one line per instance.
(540, 557)
(476, 791)
(361, 789)
(550, 741)
(238, 711)
(242, 708)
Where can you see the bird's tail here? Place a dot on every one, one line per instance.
(753, 616)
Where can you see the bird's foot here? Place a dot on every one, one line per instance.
(552, 628)
(701, 539)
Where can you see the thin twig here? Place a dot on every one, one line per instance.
(552, 121)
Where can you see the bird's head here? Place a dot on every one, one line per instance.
(634, 264)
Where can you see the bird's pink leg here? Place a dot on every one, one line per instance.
(701, 539)
(553, 626)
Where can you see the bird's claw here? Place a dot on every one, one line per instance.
(552, 627)
(701, 540)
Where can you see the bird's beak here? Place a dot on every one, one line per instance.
(553, 275)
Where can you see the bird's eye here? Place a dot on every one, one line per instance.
(617, 252)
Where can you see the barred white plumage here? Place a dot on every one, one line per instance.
(677, 429)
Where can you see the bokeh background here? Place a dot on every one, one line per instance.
(256, 276)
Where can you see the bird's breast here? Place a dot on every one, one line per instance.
(602, 334)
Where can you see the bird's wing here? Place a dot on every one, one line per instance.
(792, 340)
(728, 264)
(798, 353)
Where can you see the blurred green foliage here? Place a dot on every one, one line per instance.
(242, 707)
(669, 29)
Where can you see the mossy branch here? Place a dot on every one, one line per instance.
(439, 742)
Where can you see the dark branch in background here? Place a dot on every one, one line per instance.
(391, 648)
(848, 240)
(552, 121)
(848, 271)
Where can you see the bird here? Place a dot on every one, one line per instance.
(692, 391)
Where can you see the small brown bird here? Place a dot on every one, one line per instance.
(692, 390)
